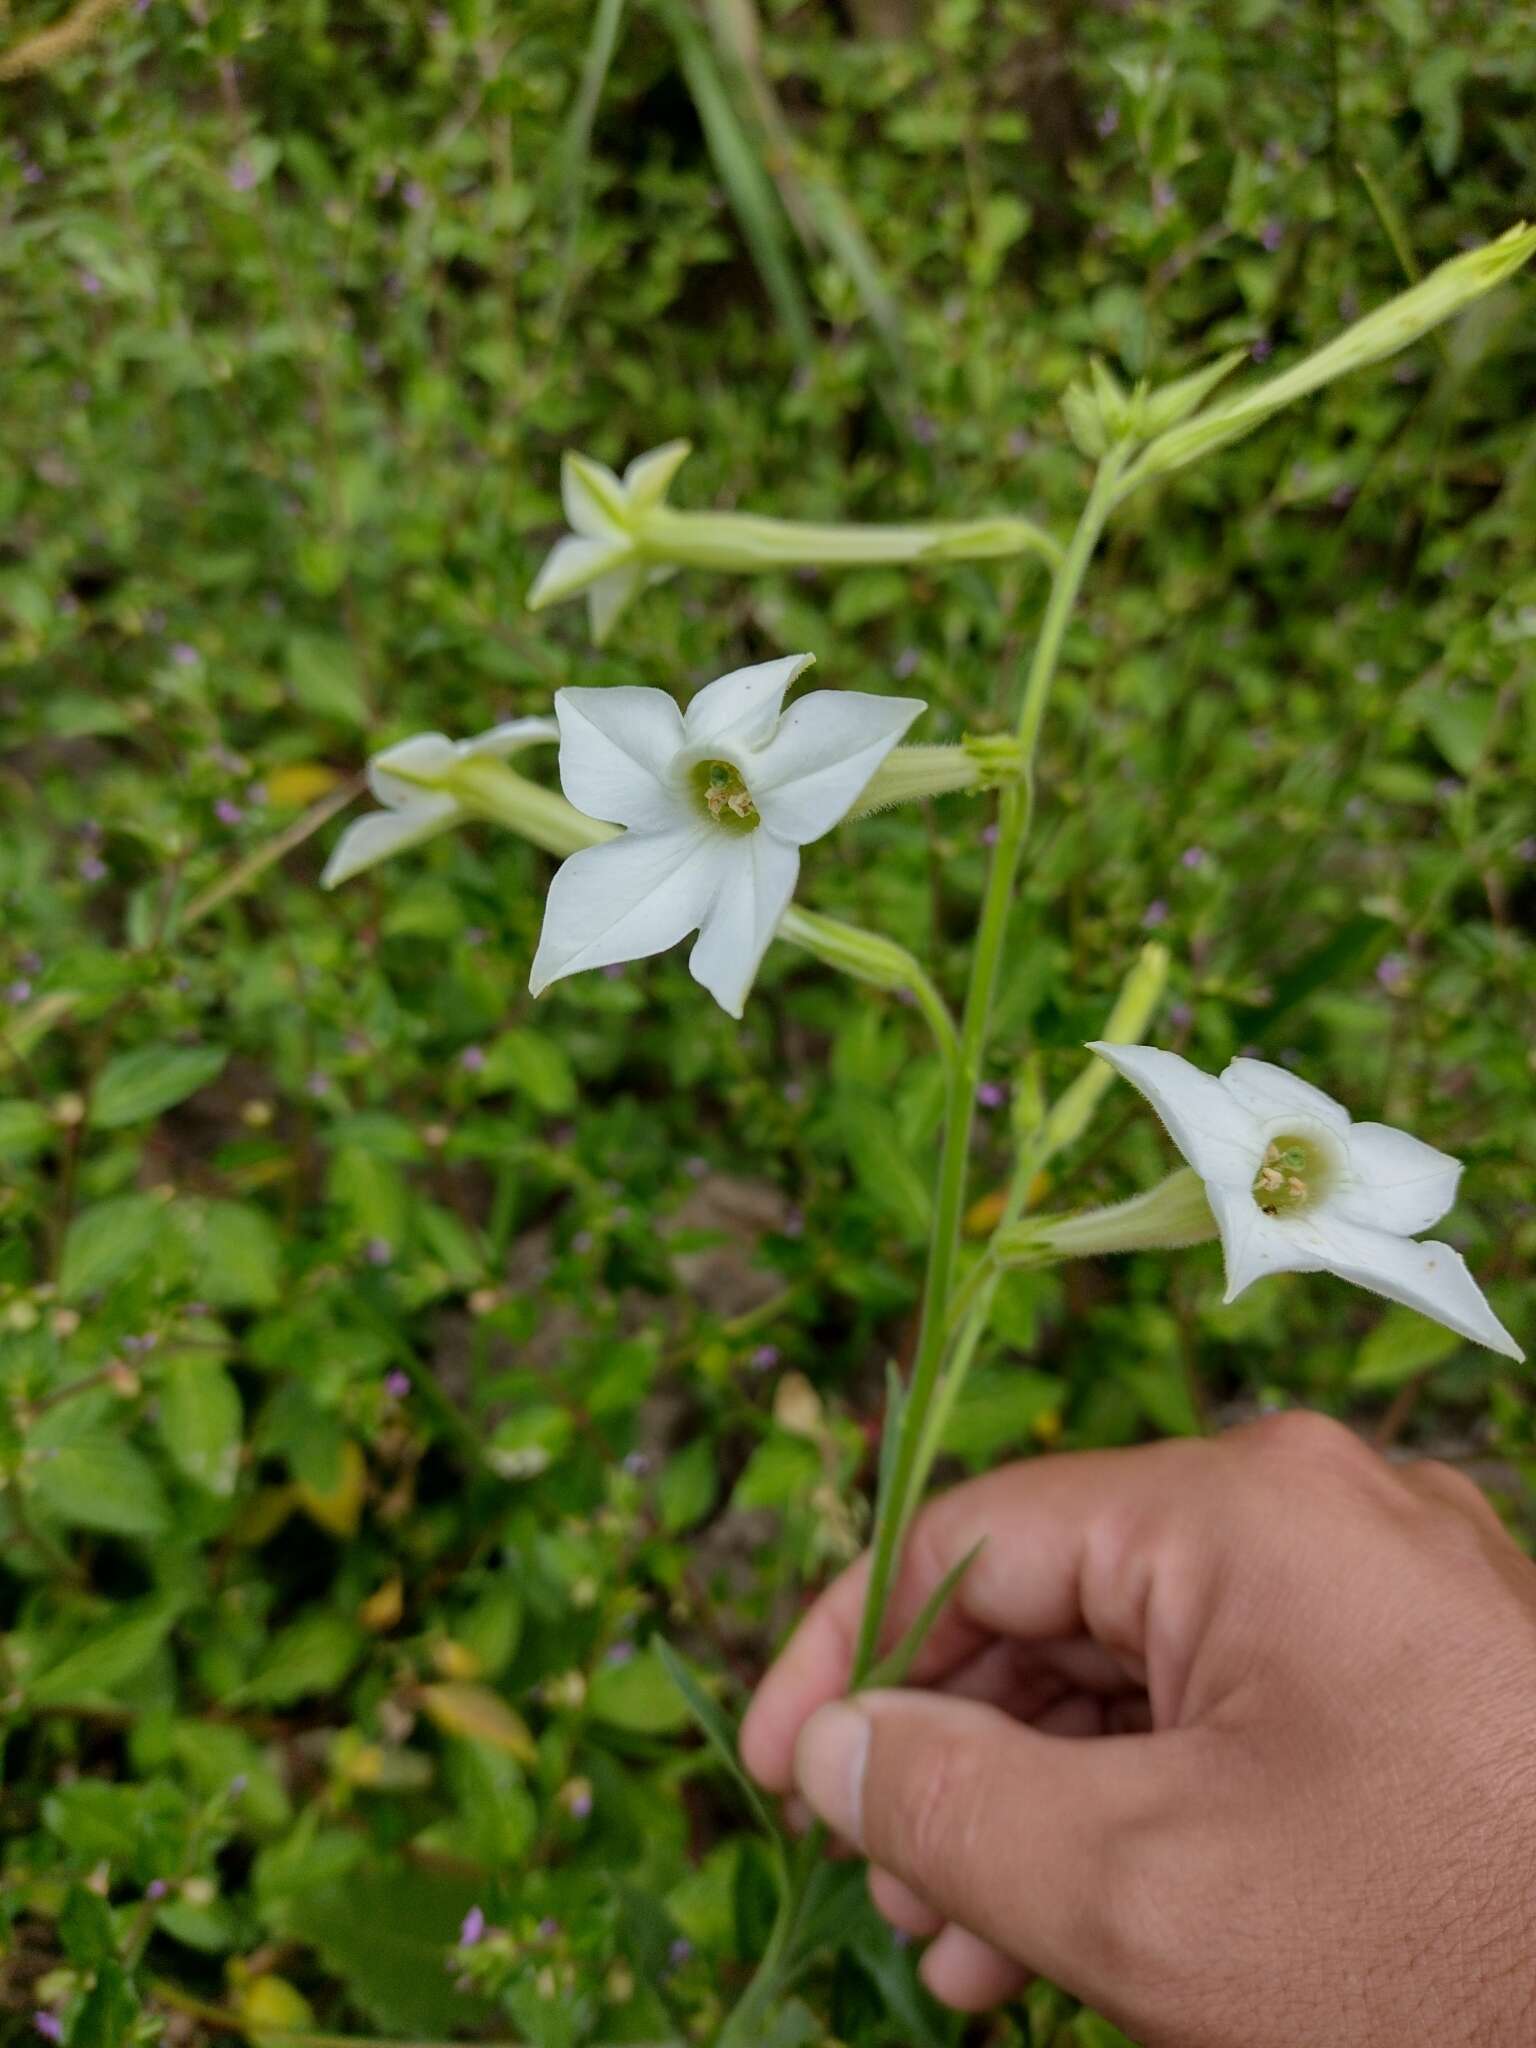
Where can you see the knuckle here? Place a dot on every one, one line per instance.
(1305, 1437)
(1453, 1489)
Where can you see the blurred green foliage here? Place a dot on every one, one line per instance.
(383, 1362)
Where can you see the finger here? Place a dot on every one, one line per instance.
(1025, 1678)
(963, 1971)
(1069, 1546)
(899, 1904)
(1015, 1835)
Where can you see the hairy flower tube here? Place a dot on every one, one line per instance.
(408, 782)
(1296, 1187)
(716, 803)
(624, 535)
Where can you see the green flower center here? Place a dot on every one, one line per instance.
(723, 797)
(1295, 1175)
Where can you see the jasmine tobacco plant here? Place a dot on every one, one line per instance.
(674, 821)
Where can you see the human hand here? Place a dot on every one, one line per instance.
(1309, 1813)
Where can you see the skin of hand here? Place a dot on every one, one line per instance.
(1235, 1739)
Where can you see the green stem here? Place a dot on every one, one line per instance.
(1014, 818)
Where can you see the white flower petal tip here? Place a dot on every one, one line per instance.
(715, 803)
(601, 554)
(410, 781)
(1296, 1187)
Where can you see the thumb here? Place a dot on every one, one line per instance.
(1041, 1845)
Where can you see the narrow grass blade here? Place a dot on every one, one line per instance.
(718, 1733)
(1397, 234)
(893, 1669)
(748, 186)
(576, 140)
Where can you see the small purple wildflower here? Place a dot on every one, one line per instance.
(318, 1084)
(472, 1929)
(1156, 913)
(378, 1251)
(547, 1928)
(1341, 495)
(614, 971)
(184, 654)
(472, 1059)
(1271, 235)
(90, 283)
(906, 662)
(794, 1091)
(765, 1357)
(238, 1785)
(1526, 849)
(18, 991)
(794, 1224)
(91, 867)
(1162, 195)
(637, 1463)
(32, 174)
(1180, 1016)
(415, 194)
(397, 1385)
(1193, 857)
(991, 1095)
(696, 1167)
(581, 1803)
(156, 1888)
(619, 1653)
(49, 2025)
(925, 429)
(680, 1951)
(227, 811)
(989, 835)
(475, 935)
(1108, 122)
(1393, 971)
(1262, 349)
(242, 174)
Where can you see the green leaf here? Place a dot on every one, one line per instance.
(97, 1481)
(107, 1241)
(687, 1487)
(399, 1982)
(717, 1731)
(636, 1697)
(322, 673)
(312, 1655)
(892, 1669)
(107, 2018)
(1402, 1345)
(238, 1257)
(885, 1173)
(201, 1421)
(86, 1934)
(536, 1066)
(106, 1660)
(138, 1085)
(25, 1128)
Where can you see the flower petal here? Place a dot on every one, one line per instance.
(1271, 1093)
(425, 756)
(610, 596)
(382, 833)
(593, 498)
(574, 564)
(1431, 1277)
(1253, 1244)
(617, 748)
(647, 477)
(624, 900)
(1396, 1182)
(504, 740)
(739, 709)
(814, 768)
(1213, 1130)
(754, 892)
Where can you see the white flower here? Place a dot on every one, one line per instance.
(1297, 1188)
(405, 779)
(601, 553)
(717, 803)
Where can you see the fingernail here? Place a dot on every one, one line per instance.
(829, 1767)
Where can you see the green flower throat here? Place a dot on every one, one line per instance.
(723, 797)
(1294, 1177)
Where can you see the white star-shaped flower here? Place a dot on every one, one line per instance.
(601, 553)
(716, 804)
(1295, 1187)
(402, 779)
